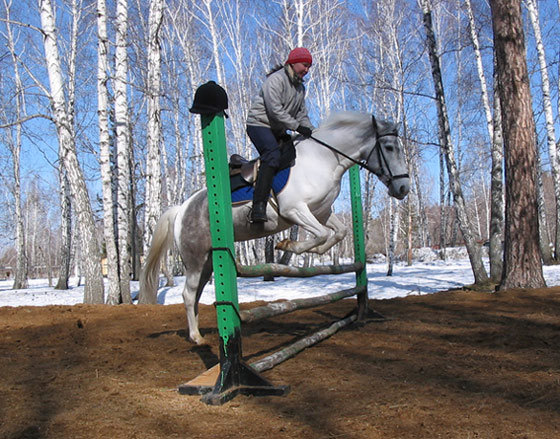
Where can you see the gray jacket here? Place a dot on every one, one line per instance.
(280, 105)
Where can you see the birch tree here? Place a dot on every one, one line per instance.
(14, 143)
(65, 229)
(208, 19)
(480, 70)
(292, 30)
(153, 160)
(473, 249)
(393, 232)
(93, 291)
(113, 295)
(182, 26)
(330, 40)
(391, 80)
(549, 117)
(123, 151)
(236, 33)
(544, 237)
(493, 125)
(496, 192)
(522, 259)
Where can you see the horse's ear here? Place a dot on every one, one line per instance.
(374, 121)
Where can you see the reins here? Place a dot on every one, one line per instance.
(363, 164)
(333, 149)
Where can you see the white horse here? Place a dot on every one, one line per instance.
(314, 184)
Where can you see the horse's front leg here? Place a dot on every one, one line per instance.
(302, 216)
(340, 232)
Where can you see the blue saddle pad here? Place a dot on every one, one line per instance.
(245, 194)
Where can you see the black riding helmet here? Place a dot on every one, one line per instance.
(209, 98)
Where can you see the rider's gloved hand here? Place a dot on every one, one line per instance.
(304, 131)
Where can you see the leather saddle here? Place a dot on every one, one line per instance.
(245, 169)
(243, 172)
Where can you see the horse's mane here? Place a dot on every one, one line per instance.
(354, 121)
(346, 120)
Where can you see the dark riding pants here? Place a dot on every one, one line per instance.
(266, 143)
(275, 150)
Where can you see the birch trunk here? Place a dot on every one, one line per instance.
(558, 88)
(65, 193)
(544, 237)
(426, 239)
(496, 251)
(473, 249)
(123, 152)
(480, 70)
(210, 23)
(153, 159)
(495, 134)
(182, 25)
(443, 215)
(522, 258)
(179, 185)
(21, 271)
(134, 238)
(113, 295)
(300, 9)
(93, 291)
(549, 117)
(269, 256)
(65, 231)
(393, 230)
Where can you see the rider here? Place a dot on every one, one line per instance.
(279, 106)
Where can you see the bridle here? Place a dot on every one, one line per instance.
(377, 147)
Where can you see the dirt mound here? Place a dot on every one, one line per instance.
(453, 365)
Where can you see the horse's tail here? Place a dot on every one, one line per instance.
(162, 240)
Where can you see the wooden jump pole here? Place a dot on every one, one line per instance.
(277, 308)
(291, 271)
(282, 355)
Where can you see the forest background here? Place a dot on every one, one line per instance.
(97, 139)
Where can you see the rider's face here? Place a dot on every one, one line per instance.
(301, 69)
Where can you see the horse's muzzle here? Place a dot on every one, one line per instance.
(399, 190)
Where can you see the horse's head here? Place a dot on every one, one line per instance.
(386, 159)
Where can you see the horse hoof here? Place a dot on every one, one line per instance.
(199, 340)
(283, 245)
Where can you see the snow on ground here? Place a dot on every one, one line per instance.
(419, 278)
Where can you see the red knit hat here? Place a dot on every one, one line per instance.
(299, 54)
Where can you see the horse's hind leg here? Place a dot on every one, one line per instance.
(196, 278)
(304, 218)
(340, 231)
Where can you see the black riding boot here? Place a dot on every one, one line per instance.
(262, 190)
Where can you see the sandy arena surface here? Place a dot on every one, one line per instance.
(456, 364)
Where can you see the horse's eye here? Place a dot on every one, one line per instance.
(389, 148)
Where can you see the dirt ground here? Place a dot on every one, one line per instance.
(456, 364)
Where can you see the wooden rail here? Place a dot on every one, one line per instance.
(277, 308)
(289, 351)
(289, 271)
